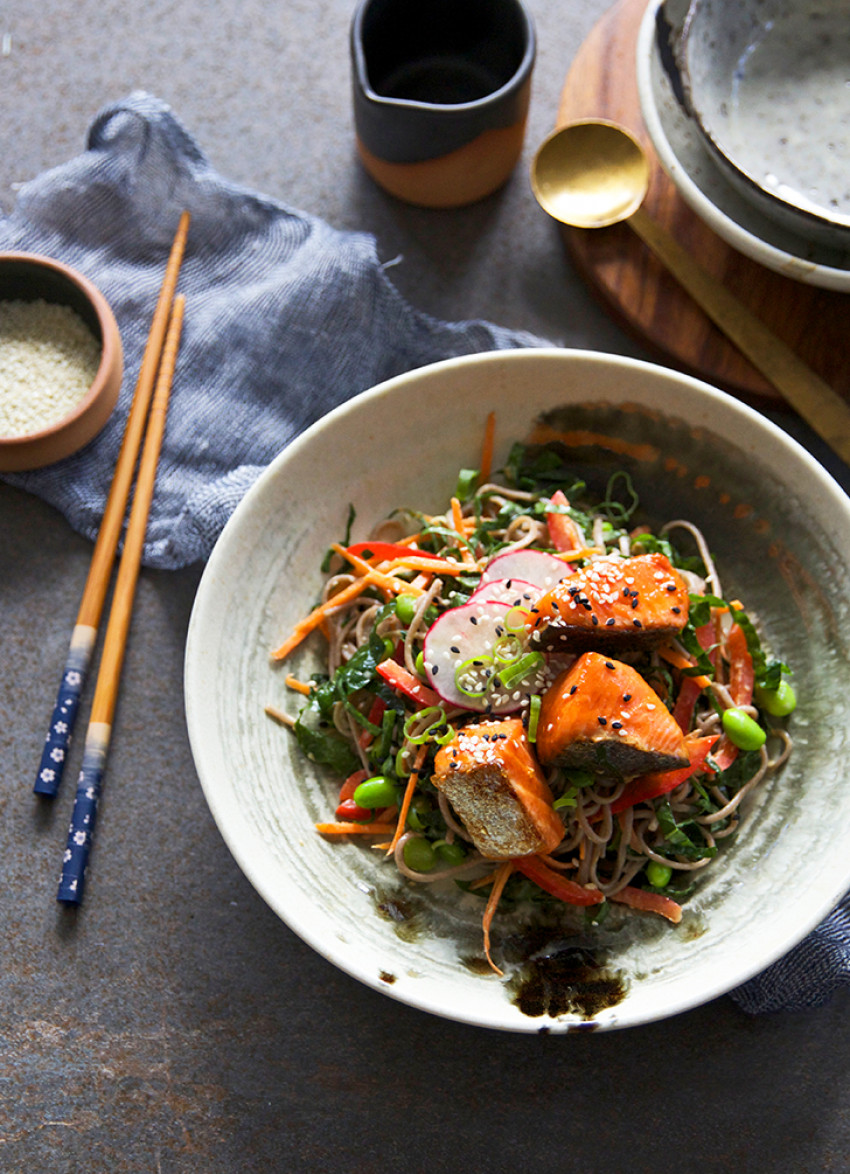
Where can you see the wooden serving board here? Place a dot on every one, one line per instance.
(648, 302)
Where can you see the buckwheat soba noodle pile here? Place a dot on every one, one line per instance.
(535, 696)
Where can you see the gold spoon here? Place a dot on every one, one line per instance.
(593, 173)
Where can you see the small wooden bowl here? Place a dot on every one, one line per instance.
(29, 277)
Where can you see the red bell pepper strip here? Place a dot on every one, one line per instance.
(351, 812)
(384, 551)
(651, 902)
(347, 808)
(562, 531)
(650, 786)
(552, 882)
(741, 672)
(374, 717)
(683, 710)
(397, 675)
(741, 684)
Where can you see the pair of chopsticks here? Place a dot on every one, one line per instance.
(146, 419)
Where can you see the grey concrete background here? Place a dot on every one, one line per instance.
(174, 1024)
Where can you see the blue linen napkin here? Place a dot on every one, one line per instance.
(288, 318)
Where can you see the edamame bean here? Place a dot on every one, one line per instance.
(405, 606)
(418, 854)
(376, 792)
(658, 875)
(778, 702)
(450, 854)
(742, 731)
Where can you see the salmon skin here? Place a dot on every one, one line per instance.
(494, 783)
(601, 715)
(611, 604)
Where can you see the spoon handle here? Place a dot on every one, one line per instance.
(819, 405)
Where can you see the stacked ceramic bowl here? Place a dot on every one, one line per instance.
(748, 108)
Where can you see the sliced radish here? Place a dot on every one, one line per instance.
(534, 566)
(468, 650)
(513, 592)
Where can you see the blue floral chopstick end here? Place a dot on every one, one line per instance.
(84, 815)
(61, 729)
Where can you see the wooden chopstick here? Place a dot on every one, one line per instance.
(84, 634)
(99, 730)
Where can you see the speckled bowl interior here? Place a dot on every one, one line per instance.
(767, 85)
(30, 277)
(690, 163)
(780, 530)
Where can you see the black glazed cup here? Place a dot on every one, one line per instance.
(441, 94)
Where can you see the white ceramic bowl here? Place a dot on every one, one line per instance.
(780, 529)
(685, 157)
(767, 84)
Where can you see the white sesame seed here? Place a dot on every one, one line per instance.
(48, 360)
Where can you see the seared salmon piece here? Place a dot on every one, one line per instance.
(612, 603)
(600, 715)
(495, 784)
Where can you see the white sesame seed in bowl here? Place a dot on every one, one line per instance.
(61, 361)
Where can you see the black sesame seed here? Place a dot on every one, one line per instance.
(676, 611)
(634, 601)
(609, 664)
(610, 623)
(616, 725)
(456, 651)
(603, 721)
(434, 670)
(627, 696)
(670, 587)
(555, 605)
(594, 619)
(573, 689)
(626, 592)
(637, 623)
(473, 620)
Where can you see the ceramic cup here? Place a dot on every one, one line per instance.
(441, 93)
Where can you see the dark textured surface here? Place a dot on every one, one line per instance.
(174, 1024)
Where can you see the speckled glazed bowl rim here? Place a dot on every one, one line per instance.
(88, 417)
(706, 115)
(686, 161)
(254, 782)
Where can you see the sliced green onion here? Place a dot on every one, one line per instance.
(533, 718)
(517, 619)
(437, 730)
(467, 479)
(507, 649)
(482, 662)
(520, 668)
